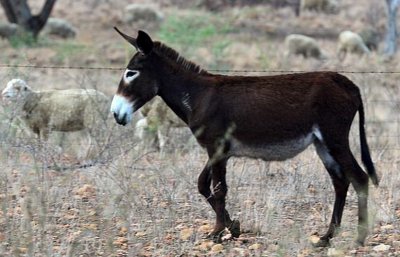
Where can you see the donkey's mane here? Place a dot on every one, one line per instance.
(177, 58)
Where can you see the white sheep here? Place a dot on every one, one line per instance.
(59, 27)
(350, 42)
(142, 12)
(297, 44)
(156, 123)
(7, 30)
(56, 110)
(326, 6)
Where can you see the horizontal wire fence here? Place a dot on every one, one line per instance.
(396, 103)
(212, 70)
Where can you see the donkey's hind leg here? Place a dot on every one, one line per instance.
(359, 180)
(347, 171)
(341, 186)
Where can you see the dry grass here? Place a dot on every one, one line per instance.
(137, 202)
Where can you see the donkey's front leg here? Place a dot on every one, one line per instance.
(216, 173)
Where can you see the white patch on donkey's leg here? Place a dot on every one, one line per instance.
(324, 154)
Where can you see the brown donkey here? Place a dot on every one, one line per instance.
(268, 117)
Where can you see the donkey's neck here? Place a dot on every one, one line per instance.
(181, 81)
(180, 93)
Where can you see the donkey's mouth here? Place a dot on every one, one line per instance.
(122, 110)
(120, 120)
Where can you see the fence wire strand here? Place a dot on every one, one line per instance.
(32, 66)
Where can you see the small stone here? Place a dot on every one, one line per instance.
(381, 248)
(346, 234)
(332, 252)
(23, 250)
(120, 241)
(249, 203)
(255, 246)
(86, 191)
(205, 246)
(205, 229)
(217, 248)
(387, 227)
(140, 234)
(186, 233)
(314, 239)
(123, 230)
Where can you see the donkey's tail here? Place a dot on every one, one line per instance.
(365, 154)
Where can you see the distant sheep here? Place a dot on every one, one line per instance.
(60, 28)
(157, 120)
(56, 110)
(325, 6)
(350, 42)
(297, 44)
(7, 30)
(142, 12)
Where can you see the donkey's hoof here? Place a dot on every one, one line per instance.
(216, 237)
(323, 242)
(234, 228)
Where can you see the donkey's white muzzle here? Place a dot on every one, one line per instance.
(122, 110)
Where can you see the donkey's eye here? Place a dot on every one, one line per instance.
(131, 74)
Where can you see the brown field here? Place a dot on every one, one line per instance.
(135, 201)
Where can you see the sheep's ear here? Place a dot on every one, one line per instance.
(130, 39)
(144, 42)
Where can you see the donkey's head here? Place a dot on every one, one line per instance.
(139, 83)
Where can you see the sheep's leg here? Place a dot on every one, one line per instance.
(43, 138)
(162, 135)
(44, 134)
(86, 153)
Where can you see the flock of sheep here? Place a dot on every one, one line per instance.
(348, 42)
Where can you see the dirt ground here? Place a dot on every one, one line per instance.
(131, 200)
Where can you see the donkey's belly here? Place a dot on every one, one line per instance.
(271, 152)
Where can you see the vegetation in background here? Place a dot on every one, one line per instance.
(24, 39)
(69, 49)
(192, 30)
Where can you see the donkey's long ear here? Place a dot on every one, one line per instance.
(144, 42)
(131, 40)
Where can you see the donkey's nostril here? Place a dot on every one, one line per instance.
(122, 121)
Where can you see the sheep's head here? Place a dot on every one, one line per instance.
(16, 89)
